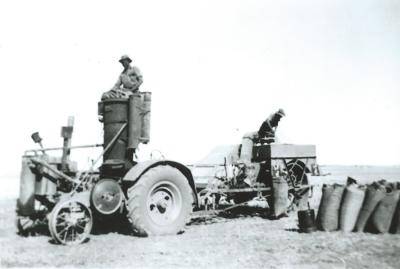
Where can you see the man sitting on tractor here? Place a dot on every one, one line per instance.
(130, 79)
(266, 133)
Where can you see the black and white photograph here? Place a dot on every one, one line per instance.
(200, 134)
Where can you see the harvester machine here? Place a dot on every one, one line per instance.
(155, 197)
(258, 173)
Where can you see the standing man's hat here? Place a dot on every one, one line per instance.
(125, 57)
(281, 112)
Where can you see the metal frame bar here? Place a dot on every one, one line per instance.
(61, 148)
(243, 190)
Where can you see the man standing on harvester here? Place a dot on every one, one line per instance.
(265, 135)
(128, 81)
(267, 130)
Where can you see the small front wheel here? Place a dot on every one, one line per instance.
(70, 222)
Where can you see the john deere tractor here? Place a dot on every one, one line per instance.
(155, 197)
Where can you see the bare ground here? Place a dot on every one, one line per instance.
(237, 240)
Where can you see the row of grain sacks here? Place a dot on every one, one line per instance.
(371, 208)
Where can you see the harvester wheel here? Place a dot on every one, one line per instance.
(298, 196)
(160, 202)
(70, 222)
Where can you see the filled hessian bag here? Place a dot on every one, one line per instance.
(328, 213)
(353, 198)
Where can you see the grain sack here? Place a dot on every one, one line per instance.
(328, 213)
(384, 211)
(396, 220)
(373, 195)
(353, 198)
(280, 196)
(395, 227)
(326, 194)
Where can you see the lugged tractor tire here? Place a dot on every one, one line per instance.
(160, 203)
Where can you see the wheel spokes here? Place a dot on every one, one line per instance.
(71, 222)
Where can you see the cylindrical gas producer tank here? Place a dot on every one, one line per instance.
(32, 184)
(133, 111)
(115, 115)
(139, 119)
(26, 199)
(146, 112)
(44, 185)
(134, 120)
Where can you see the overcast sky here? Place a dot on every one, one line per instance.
(216, 69)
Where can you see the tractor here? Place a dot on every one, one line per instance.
(155, 197)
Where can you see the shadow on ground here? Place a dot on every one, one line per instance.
(241, 212)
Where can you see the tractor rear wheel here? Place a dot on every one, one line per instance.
(160, 202)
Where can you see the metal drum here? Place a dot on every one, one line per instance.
(26, 199)
(146, 112)
(45, 183)
(115, 115)
(133, 111)
(306, 221)
(134, 121)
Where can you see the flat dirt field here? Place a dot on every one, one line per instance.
(244, 238)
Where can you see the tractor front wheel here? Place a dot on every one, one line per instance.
(160, 202)
(70, 222)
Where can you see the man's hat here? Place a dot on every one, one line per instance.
(125, 57)
(280, 112)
